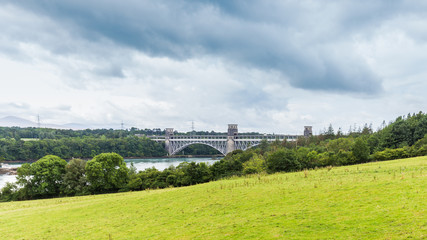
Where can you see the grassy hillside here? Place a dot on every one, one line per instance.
(383, 200)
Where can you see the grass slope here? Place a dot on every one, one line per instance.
(383, 200)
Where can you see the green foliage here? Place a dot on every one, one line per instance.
(282, 160)
(193, 173)
(361, 150)
(404, 131)
(42, 178)
(373, 143)
(75, 181)
(231, 165)
(87, 147)
(330, 133)
(263, 146)
(106, 172)
(48, 133)
(343, 144)
(255, 165)
(9, 192)
(389, 154)
(134, 184)
(48, 177)
(311, 160)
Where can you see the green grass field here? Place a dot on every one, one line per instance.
(382, 200)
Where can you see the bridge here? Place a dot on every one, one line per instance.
(223, 143)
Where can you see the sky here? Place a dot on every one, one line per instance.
(268, 66)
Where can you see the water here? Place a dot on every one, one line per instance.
(4, 178)
(140, 164)
(163, 163)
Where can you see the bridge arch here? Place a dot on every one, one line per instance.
(182, 146)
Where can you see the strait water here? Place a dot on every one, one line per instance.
(140, 164)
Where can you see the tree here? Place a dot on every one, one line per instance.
(194, 173)
(361, 150)
(302, 157)
(106, 172)
(367, 130)
(340, 133)
(75, 181)
(339, 144)
(330, 133)
(263, 146)
(42, 178)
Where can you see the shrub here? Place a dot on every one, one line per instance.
(282, 160)
(255, 165)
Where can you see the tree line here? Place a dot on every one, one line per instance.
(33, 143)
(18, 133)
(88, 147)
(50, 133)
(51, 176)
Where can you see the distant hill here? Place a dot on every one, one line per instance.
(12, 121)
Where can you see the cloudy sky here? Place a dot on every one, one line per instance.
(269, 66)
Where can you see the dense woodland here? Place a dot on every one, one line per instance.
(18, 133)
(76, 147)
(51, 176)
(34, 143)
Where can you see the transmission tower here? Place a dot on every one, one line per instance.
(122, 128)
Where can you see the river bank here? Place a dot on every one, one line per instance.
(214, 157)
(8, 171)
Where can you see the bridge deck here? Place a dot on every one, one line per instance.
(268, 137)
(224, 143)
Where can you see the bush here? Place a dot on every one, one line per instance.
(255, 165)
(422, 151)
(390, 154)
(9, 192)
(282, 160)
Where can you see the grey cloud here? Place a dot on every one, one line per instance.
(264, 35)
(294, 38)
(111, 71)
(255, 98)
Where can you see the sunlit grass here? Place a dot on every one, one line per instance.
(382, 200)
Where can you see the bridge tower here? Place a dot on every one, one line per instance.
(308, 131)
(169, 133)
(232, 134)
